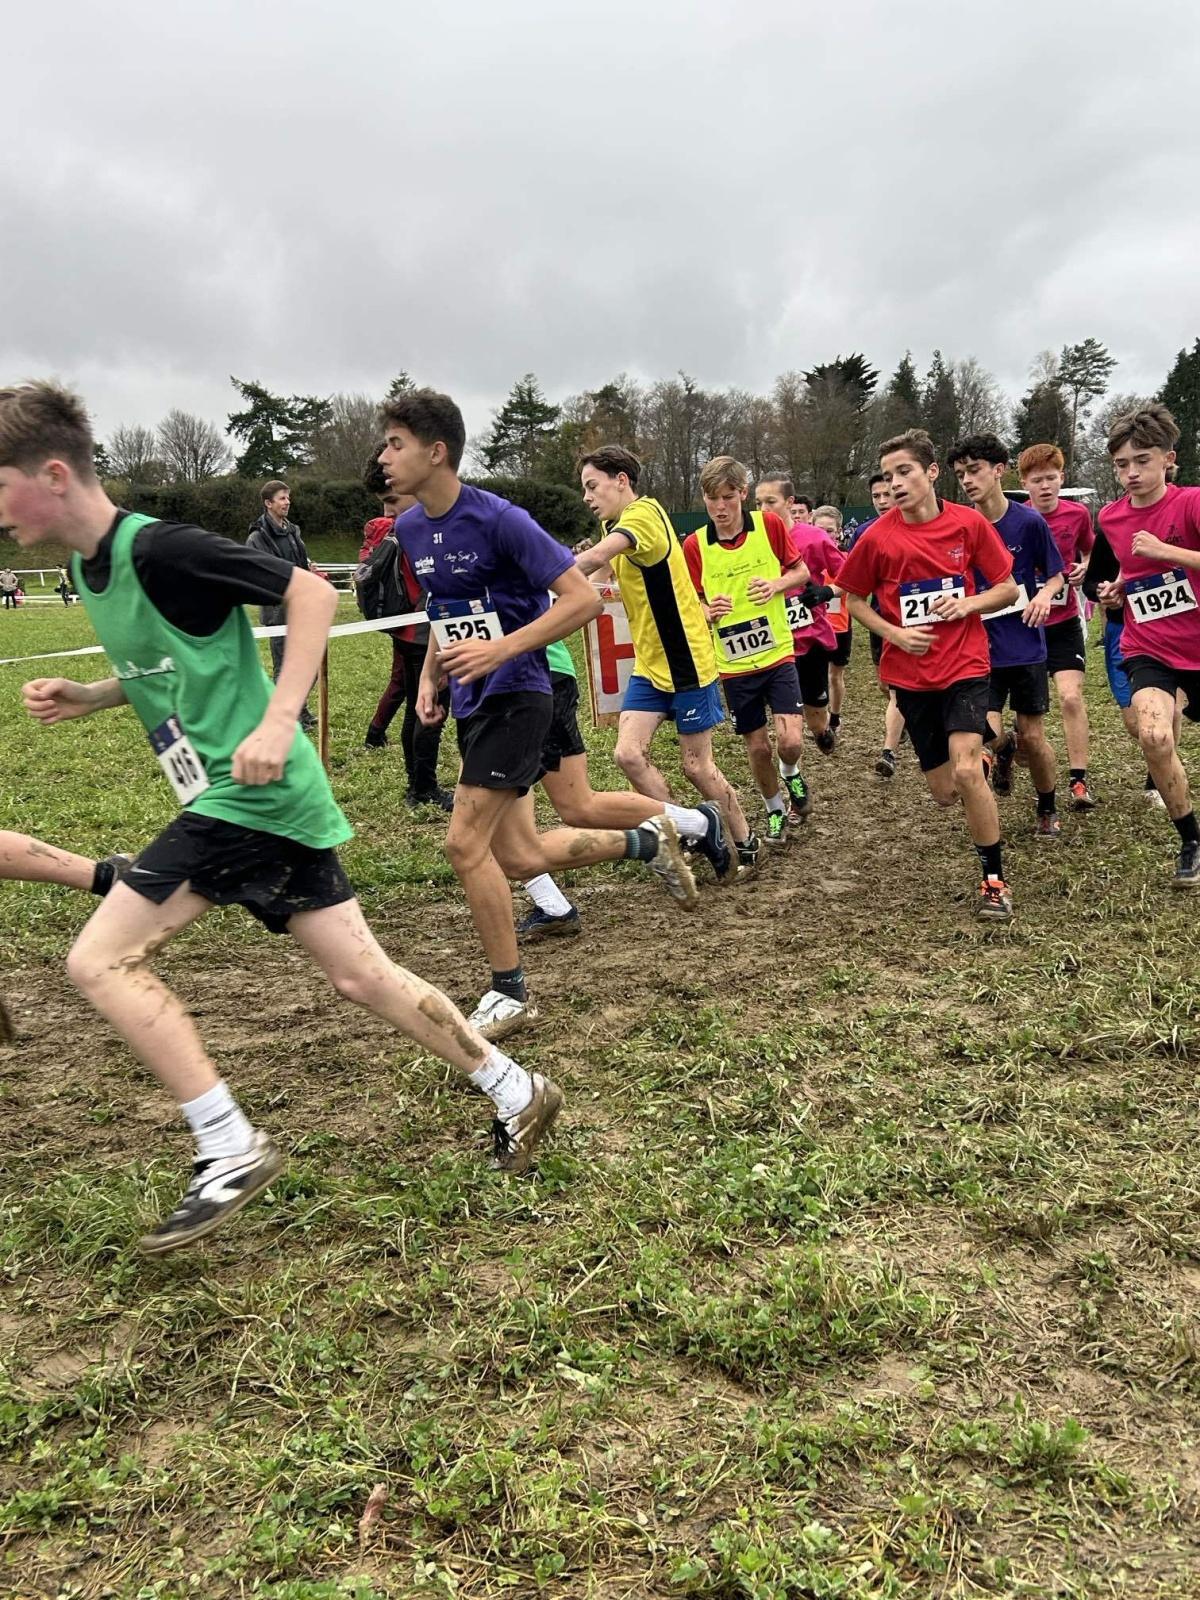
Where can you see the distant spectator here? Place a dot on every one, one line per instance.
(275, 535)
(63, 586)
(9, 584)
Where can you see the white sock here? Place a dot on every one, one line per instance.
(508, 1086)
(788, 769)
(778, 804)
(690, 823)
(219, 1126)
(547, 896)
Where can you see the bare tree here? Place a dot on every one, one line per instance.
(190, 448)
(982, 407)
(343, 443)
(133, 454)
(1093, 464)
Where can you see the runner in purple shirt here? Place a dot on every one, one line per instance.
(1017, 635)
(486, 566)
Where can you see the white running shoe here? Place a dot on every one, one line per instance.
(497, 1015)
(219, 1188)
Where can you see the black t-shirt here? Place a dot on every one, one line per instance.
(1102, 567)
(195, 578)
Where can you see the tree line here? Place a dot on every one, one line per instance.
(823, 424)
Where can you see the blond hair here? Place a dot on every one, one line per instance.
(723, 472)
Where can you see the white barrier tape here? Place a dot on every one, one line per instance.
(338, 631)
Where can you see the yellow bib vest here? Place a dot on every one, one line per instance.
(754, 635)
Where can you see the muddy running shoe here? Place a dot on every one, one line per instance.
(540, 924)
(1153, 799)
(885, 764)
(995, 901)
(777, 828)
(798, 794)
(497, 1015)
(1187, 868)
(1002, 771)
(1082, 798)
(218, 1189)
(514, 1139)
(748, 850)
(714, 845)
(826, 741)
(669, 863)
(1048, 829)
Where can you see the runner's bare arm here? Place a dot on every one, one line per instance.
(602, 552)
(1152, 549)
(429, 708)
(311, 604)
(1038, 609)
(913, 641)
(59, 699)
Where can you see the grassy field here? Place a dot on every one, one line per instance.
(864, 1262)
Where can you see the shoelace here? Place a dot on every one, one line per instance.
(502, 1140)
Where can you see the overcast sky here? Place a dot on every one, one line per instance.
(316, 195)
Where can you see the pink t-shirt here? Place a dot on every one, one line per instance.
(1071, 524)
(823, 559)
(1162, 620)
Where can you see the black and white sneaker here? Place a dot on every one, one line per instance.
(1187, 868)
(219, 1188)
(714, 845)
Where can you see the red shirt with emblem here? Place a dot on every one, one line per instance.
(893, 552)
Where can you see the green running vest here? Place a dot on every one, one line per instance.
(218, 691)
(753, 636)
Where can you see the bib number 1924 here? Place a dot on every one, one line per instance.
(1166, 594)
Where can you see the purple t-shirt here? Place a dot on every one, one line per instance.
(486, 549)
(1035, 558)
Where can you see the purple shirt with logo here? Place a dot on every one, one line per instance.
(485, 548)
(1035, 558)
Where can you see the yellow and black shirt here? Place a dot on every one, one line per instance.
(672, 642)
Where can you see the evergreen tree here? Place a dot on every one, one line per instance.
(402, 383)
(1042, 417)
(1181, 393)
(851, 376)
(1083, 371)
(904, 396)
(522, 431)
(278, 435)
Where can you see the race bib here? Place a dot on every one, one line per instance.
(453, 621)
(1061, 598)
(743, 639)
(916, 599)
(178, 759)
(835, 606)
(798, 614)
(1013, 610)
(1165, 594)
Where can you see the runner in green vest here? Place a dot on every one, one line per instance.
(743, 563)
(258, 823)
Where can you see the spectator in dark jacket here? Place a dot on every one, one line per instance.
(419, 743)
(277, 536)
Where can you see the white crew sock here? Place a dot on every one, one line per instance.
(788, 769)
(219, 1126)
(690, 823)
(508, 1086)
(547, 896)
(778, 804)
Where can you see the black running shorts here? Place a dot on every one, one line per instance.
(1025, 688)
(1065, 647)
(812, 668)
(501, 744)
(750, 695)
(932, 715)
(1144, 672)
(564, 738)
(271, 876)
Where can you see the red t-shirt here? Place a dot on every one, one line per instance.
(1071, 524)
(1165, 632)
(893, 552)
(375, 531)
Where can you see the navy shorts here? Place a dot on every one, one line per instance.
(750, 695)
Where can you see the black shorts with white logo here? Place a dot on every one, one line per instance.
(932, 715)
(1066, 647)
(271, 876)
(812, 668)
(1025, 688)
(750, 695)
(564, 738)
(1144, 672)
(501, 744)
